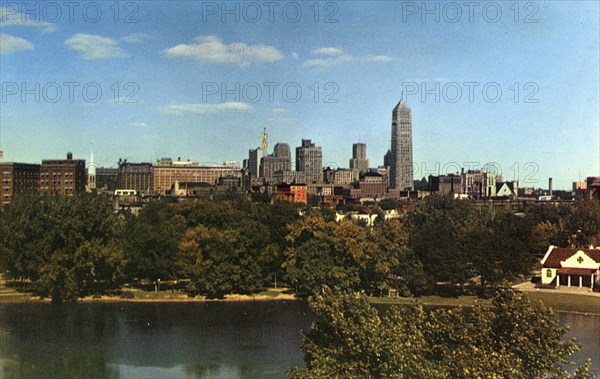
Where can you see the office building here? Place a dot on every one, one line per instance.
(359, 162)
(135, 176)
(309, 159)
(280, 160)
(166, 172)
(401, 158)
(63, 177)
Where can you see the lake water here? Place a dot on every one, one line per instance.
(173, 340)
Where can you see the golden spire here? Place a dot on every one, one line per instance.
(264, 143)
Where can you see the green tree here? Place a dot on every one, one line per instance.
(498, 248)
(93, 269)
(437, 235)
(324, 252)
(517, 338)
(152, 243)
(70, 240)
(218, 262)
(583, 223)
(391, 263)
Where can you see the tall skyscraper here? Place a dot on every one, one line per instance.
(359, 162)
(309, 159)
(254, 157)
(401, 168)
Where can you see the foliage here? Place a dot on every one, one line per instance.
(152, 242)
(351, 256)
(583, 223)
(93, 269)
(69, 247)
(218, 262)
(438, 230)
(517, 338)
(75, 246)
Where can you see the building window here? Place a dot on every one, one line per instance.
(580, 260)
(548, 273)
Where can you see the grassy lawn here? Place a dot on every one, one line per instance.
(557, 301)
(567, 302)
(431, 300)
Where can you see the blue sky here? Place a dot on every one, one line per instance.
(187, 79)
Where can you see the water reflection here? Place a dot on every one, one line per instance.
(146, 340)
(187, 340)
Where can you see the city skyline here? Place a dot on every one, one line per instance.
(189, 91)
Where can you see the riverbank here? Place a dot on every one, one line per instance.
(12, 295)
(571, 302)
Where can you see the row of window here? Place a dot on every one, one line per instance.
(67, 174)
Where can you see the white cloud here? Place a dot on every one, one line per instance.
(94, 47)
(378, 58)
(136, 37)
(324, 62)
(206, 109)
(210, 49)
(334, 56)
(10, 44)
(12, 17)
(332, 51)
(278, 110)
(140, 125)
(294, 55)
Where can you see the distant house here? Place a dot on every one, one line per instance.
(571, 267)
(507, 189)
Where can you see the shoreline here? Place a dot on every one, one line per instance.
(465, 301)
(484, 302)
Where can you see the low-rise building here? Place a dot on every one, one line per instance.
(571, 267)
(63, 177)
(295, 193)
(166, 172)
(137, 176)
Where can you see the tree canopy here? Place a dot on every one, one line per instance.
(516, 338)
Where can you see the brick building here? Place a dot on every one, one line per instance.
(63, 177)
(16, 178)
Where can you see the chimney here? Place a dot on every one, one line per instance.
(550, 185)
(69, 155)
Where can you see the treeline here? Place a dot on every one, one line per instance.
(75, 247)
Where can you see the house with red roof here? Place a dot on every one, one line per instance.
(571, 267)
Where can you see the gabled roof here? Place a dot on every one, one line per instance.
(560, 254)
